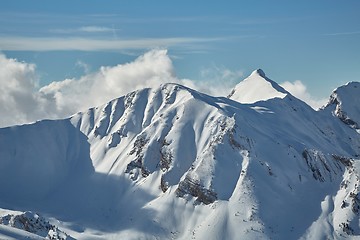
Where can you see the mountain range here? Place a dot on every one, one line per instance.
(174, 163)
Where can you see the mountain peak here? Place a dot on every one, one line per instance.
(344, 103)
(258, 72)
(257, 87)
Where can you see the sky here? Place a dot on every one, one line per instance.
(60, 57)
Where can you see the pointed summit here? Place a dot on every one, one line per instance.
(257, 87)
(258, 72)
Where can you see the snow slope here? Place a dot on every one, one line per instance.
(257, 87)
(345, 104)
(11, 233)
(173, 163)
(32, 223)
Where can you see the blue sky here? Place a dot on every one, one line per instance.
(316, 42)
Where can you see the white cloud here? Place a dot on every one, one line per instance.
(299, 90)
(95, 29)
(21, 100)
(148, 70)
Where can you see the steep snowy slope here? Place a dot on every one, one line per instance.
(345, 104)
(11, 233)
(175, 163)
(257, 87)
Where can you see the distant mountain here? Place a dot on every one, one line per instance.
(344, 103)
(174, 163)
(257, 87)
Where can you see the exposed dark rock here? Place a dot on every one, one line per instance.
(340, 113)
(166, 158)
(137, 163)
(128, 102)
(33, 223)
(346, 228)
(163, 184)
(139, 144)
(312, 166)
(355, 202)
(322, 167)
(347, 162)
(189, 186)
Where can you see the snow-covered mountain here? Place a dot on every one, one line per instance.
(344, 103)
(257, 87)
(174, 163)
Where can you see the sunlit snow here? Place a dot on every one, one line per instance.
(174, 163)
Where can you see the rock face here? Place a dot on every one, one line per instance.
(172, 162)
(189, 186)
(33, 223)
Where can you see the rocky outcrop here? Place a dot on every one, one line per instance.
(33, 223)
(194, 188)
(321, 166)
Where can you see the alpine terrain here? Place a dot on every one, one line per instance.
(174, 163)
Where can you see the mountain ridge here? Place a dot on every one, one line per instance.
(172, 162)
(343, 103)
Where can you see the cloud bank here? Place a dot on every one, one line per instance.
(299, 90)
(149, 70)
(22, 101)
(19, 101)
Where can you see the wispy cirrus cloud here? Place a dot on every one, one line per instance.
(95, 29)
(84, 29)
(83, 65)
(95, 44)
(342, 33)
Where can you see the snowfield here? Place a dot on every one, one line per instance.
(174, 163)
